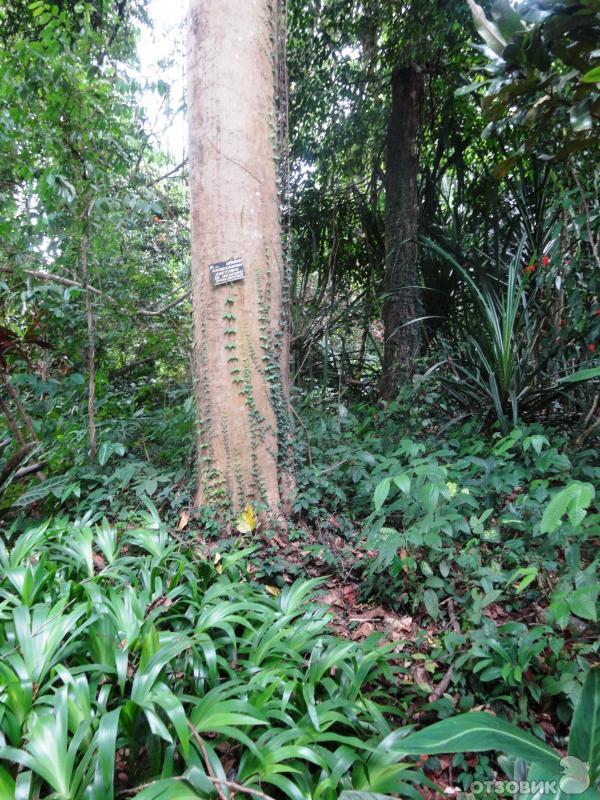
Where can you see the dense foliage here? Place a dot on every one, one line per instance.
(124, 655)
(428, 616)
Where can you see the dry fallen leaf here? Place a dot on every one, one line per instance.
(363, 630)
(183, 519)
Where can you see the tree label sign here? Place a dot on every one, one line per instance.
(226, 271)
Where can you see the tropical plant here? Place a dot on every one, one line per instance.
(528, 758)
(130, 660)
(545, 71)
(496, 363)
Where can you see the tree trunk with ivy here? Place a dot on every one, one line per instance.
(403, 303)
(241, 341)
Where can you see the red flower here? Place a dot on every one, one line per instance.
(591, 348)
(529, 268)
(545, 261)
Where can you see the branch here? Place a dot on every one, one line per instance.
(49, 276)
(21, 473)
(169, 173)
(145, 312)
(303, 426)
(586, 211)
(14, 461)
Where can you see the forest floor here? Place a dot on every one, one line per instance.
(414, 639)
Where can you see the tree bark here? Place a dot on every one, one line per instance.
(240, 337)
(402, 302)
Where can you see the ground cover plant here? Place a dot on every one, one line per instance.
(130, 660)
(300, 420)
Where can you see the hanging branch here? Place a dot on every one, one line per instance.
(25, 446)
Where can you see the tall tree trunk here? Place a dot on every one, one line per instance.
(403, 302)
(240, 337)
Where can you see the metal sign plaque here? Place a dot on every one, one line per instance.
(226, 271)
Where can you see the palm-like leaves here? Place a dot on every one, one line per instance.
(496, 363)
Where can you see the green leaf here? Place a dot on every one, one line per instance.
(591, 76)
(403, 483)
(105, 766)
(36, 493)
(7, 784)
(468, 89)
(381, 492)
(581, 375)
(488, 31)
(582, 602)
(580, 117)
(527, 576)
(584, 738)
(431, 603)
(477, 732)
(103, 454)
(573, 500)
(169, 789)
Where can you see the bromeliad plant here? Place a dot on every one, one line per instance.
(130, 660)
(497, 363)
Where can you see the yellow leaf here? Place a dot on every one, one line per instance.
(246, 522)
(183, 520)
(275, 591)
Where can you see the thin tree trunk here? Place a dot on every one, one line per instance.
(240, 336)
(14, 461)
(12, 424)
(403, 302)
(19, 406)
(91, 347)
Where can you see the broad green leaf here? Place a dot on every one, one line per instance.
(583, 602)
(573, 500)
(403, 483)
(488, 31)
(381, 492)
(584, 738)
(581, 375)
(7, 784)
(106, 743)
(477, 732)
(432, 605)
(591, 76)
(169, 789)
